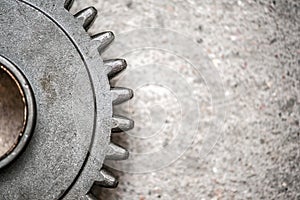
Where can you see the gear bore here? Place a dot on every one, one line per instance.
(69, 102)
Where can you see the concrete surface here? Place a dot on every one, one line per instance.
(252, 125)
(255, 47)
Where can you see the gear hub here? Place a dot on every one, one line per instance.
(68, 102)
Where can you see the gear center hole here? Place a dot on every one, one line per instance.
(12, 112)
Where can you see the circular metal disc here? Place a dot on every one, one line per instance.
(65, 104)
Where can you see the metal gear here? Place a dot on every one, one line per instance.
(69, 102)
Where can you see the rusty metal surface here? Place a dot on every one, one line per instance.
(12, 113)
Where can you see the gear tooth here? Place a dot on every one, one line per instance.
(116, 152)
(88, 16)
(116, 66)
(120, 124)
(68, 4)
(121, 95)
(104, 39)
(108, 181)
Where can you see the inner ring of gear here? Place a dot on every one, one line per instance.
(29, 113)
(87, 82)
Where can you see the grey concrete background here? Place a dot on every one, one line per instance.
(255, 47)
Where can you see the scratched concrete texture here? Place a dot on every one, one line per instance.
(252, 123)
(252, 50)
(254, 45)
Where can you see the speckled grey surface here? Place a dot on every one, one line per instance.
(255, 47)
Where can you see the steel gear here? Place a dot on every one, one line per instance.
(69, 102)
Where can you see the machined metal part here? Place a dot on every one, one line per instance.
(29, 113)
(68, 98)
